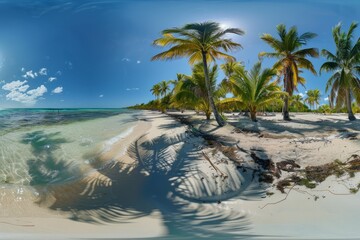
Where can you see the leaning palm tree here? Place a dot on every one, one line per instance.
(290, 58)
(254, 89)
(345, 65)
(201, 42)
(192, 91)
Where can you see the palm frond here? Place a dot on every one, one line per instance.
(307, 52)
(329, 67)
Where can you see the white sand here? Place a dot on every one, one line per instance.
(167, 183)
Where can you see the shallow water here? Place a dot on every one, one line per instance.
(42, 146)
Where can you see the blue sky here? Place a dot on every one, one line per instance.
(97, 53)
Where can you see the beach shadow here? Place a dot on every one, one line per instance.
(332, 125)
(183, 215)
(120, 193)
(46, 168)
(43, 143)
(302, 128)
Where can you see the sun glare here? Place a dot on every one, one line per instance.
(224, 25)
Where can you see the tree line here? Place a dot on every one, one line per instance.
(256, 89)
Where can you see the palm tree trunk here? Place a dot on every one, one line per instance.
(253, 116)
(351, 115)
(220, 121)
(207, 114)
(286, 115)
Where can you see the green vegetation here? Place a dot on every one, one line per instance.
(192, 91)
(313, 98)
(311, 175)
(305, 182)
(201, 42)
(255, 90)
(290, 58)
(344, 84)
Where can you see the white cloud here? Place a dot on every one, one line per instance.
(22, 69)
(301, 94)
(57, 90)
(14, 85)
(125, 60)
(58, 73)
(29, 74)
(101, 95)
(132, 89)
(138, 61)
(23, 88)
(43, 71)
(326, 99)
(51, 79)
(2, 81)
(37, 92)
(17, 92)
(19, 97)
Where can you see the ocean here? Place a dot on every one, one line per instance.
(47, 146)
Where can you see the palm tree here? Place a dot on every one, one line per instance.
(254, 89)
(192, 91)
(297, 102)
(313, 98)
(290, 58)
(325, 109)
(164, 87)
(345, 65)
(179, 77)
(317, 97)
(201, 42)
(229, 68)
(155, 90)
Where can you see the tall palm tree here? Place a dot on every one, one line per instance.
(192, 91)
(254, 89)
(164, 87)
(155, 90)
(201, 42)
(345, 65)
(290, 58)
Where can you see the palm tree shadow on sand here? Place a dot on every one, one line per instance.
(158, 181)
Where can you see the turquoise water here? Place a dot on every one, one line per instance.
(44, 146)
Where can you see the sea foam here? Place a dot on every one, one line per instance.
(109, 143)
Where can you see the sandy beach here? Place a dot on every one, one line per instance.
(178, 175)
(179, 119)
